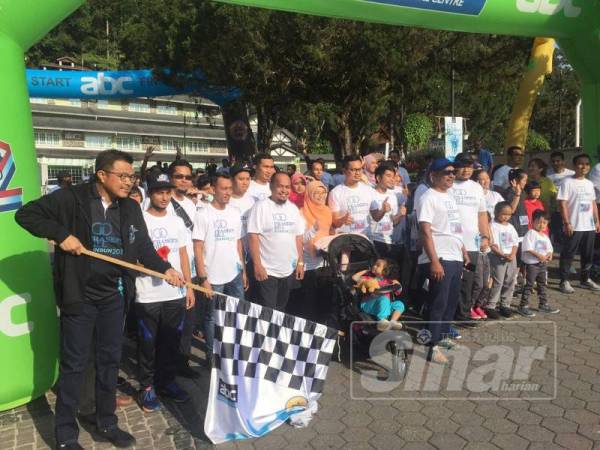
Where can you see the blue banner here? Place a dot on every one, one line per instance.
(118, 84)
(470, 7)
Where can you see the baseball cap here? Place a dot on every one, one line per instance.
(439, 164)
(463, 160)
(240, 167)
(159, 181)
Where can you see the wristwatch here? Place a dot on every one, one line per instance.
(300, 263)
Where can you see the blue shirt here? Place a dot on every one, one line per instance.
(327, 179)
(485, 159)
(404, 174)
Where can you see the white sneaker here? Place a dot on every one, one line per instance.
(384, 325)
(395, 325)
(589, 284)
(566, 288)
(436, 356)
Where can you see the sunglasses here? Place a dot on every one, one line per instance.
(179, 176)
(448, 172)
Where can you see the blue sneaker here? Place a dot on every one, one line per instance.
(174, 392)
(453, 333)
(149, 400)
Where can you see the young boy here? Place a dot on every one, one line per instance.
(536, 253)
(577, 205)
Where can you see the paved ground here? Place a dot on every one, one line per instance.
(505, 418)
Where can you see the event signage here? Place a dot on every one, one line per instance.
(470, 7)
(453, 127)
(549, 7)
(10, 199)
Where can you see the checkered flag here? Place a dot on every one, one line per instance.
(267, 366)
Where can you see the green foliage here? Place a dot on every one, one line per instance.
(417, 131)
(537, 143)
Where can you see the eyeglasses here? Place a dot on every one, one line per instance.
(123, 176)
(449, 172)
(179, 176)
(354, 170)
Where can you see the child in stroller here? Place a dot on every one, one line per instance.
(377, 289)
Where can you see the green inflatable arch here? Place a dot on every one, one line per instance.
(28, 326)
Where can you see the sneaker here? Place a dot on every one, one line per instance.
(492, 314)
(546, 308)
(474, 315)
(447, 343)
(70, 446)
(566, 288)
(453, 333)
(436, 356)
(572, 270)
(148, 400)
(117, 437)
(505, 311)
(174, 392)
(589, 284)
(525, 311)
(480, 312)
(395, 325)
(383, 325)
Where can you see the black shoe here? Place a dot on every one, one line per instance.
(184, 370)
(525, 311)
(491, 313)
(117, 437)
(546, 308)
(71, 446)
(505, 311)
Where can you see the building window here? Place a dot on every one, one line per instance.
(101, 141)
(170, 145)
(129, 142)
(166, 109)
(41, 101)
(139, 107)
(197, 146)
(49, 138)
(102, 104)
(75, 102)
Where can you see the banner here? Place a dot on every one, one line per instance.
(267, 367)
(454, 136)
(471, 7)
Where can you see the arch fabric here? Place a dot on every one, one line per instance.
(28, 326)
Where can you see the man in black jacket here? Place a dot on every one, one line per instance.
(89, 292)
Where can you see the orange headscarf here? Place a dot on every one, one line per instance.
(316, 213)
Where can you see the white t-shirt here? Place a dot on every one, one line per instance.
(311, 262)
(558, 178)
(538, 242)
(505, 237)
(220, 230)
(580, 195)
(440, 210)
(358, 201)
(595, 179)
(277, 226)
(244, 204)
(500, 179)
(492, 198)
(418, 195)
(190, 208)
(470, 200)
(168, 234)
(258, 191)
(382, 231)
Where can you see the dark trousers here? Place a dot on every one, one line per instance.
(273, 292)
(535, 273)
(98, 325)
(159, 330)
(313, 301)
(443, 298)
(556, 229)
(465, 302)
(582, 241)
(481, 289)
(185, 341)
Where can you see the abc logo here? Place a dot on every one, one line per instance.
(549, 7)
(104, 85)
(229, 391)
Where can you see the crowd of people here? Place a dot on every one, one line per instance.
(453, 247)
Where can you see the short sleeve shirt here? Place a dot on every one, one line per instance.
(470, 200)
(505, 237)
(580, 196)
(358, 202)
(538, 242)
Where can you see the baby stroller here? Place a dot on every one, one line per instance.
(361, 256)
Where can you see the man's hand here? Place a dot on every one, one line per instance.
(206, 285)
(385, 207)
(597, 227)
(300, 271)
(436, 270)
(72, 245)
(509, 258)
(569, 230)
(260, 273)
(466, 259)
(549, 257)
(174, 278)
(347, 218)
(402, 211)
(149, 152)
(245, 281)
(190, 299)
(516, 187)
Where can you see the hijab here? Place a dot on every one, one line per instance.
(295, 198)
(367, 160)
(315, 213)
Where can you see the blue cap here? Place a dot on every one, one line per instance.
(439, 164)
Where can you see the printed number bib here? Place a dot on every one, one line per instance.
(585, 207)
(523, 221)
(456, 227)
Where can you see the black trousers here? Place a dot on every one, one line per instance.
(582, 241)
(185, 341)
(442, 299)
(465, 302)
(98, 326)
(159, 331)
(313, 301)
(535, 273)
(273, 292)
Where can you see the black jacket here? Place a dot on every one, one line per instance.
(68, 211)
